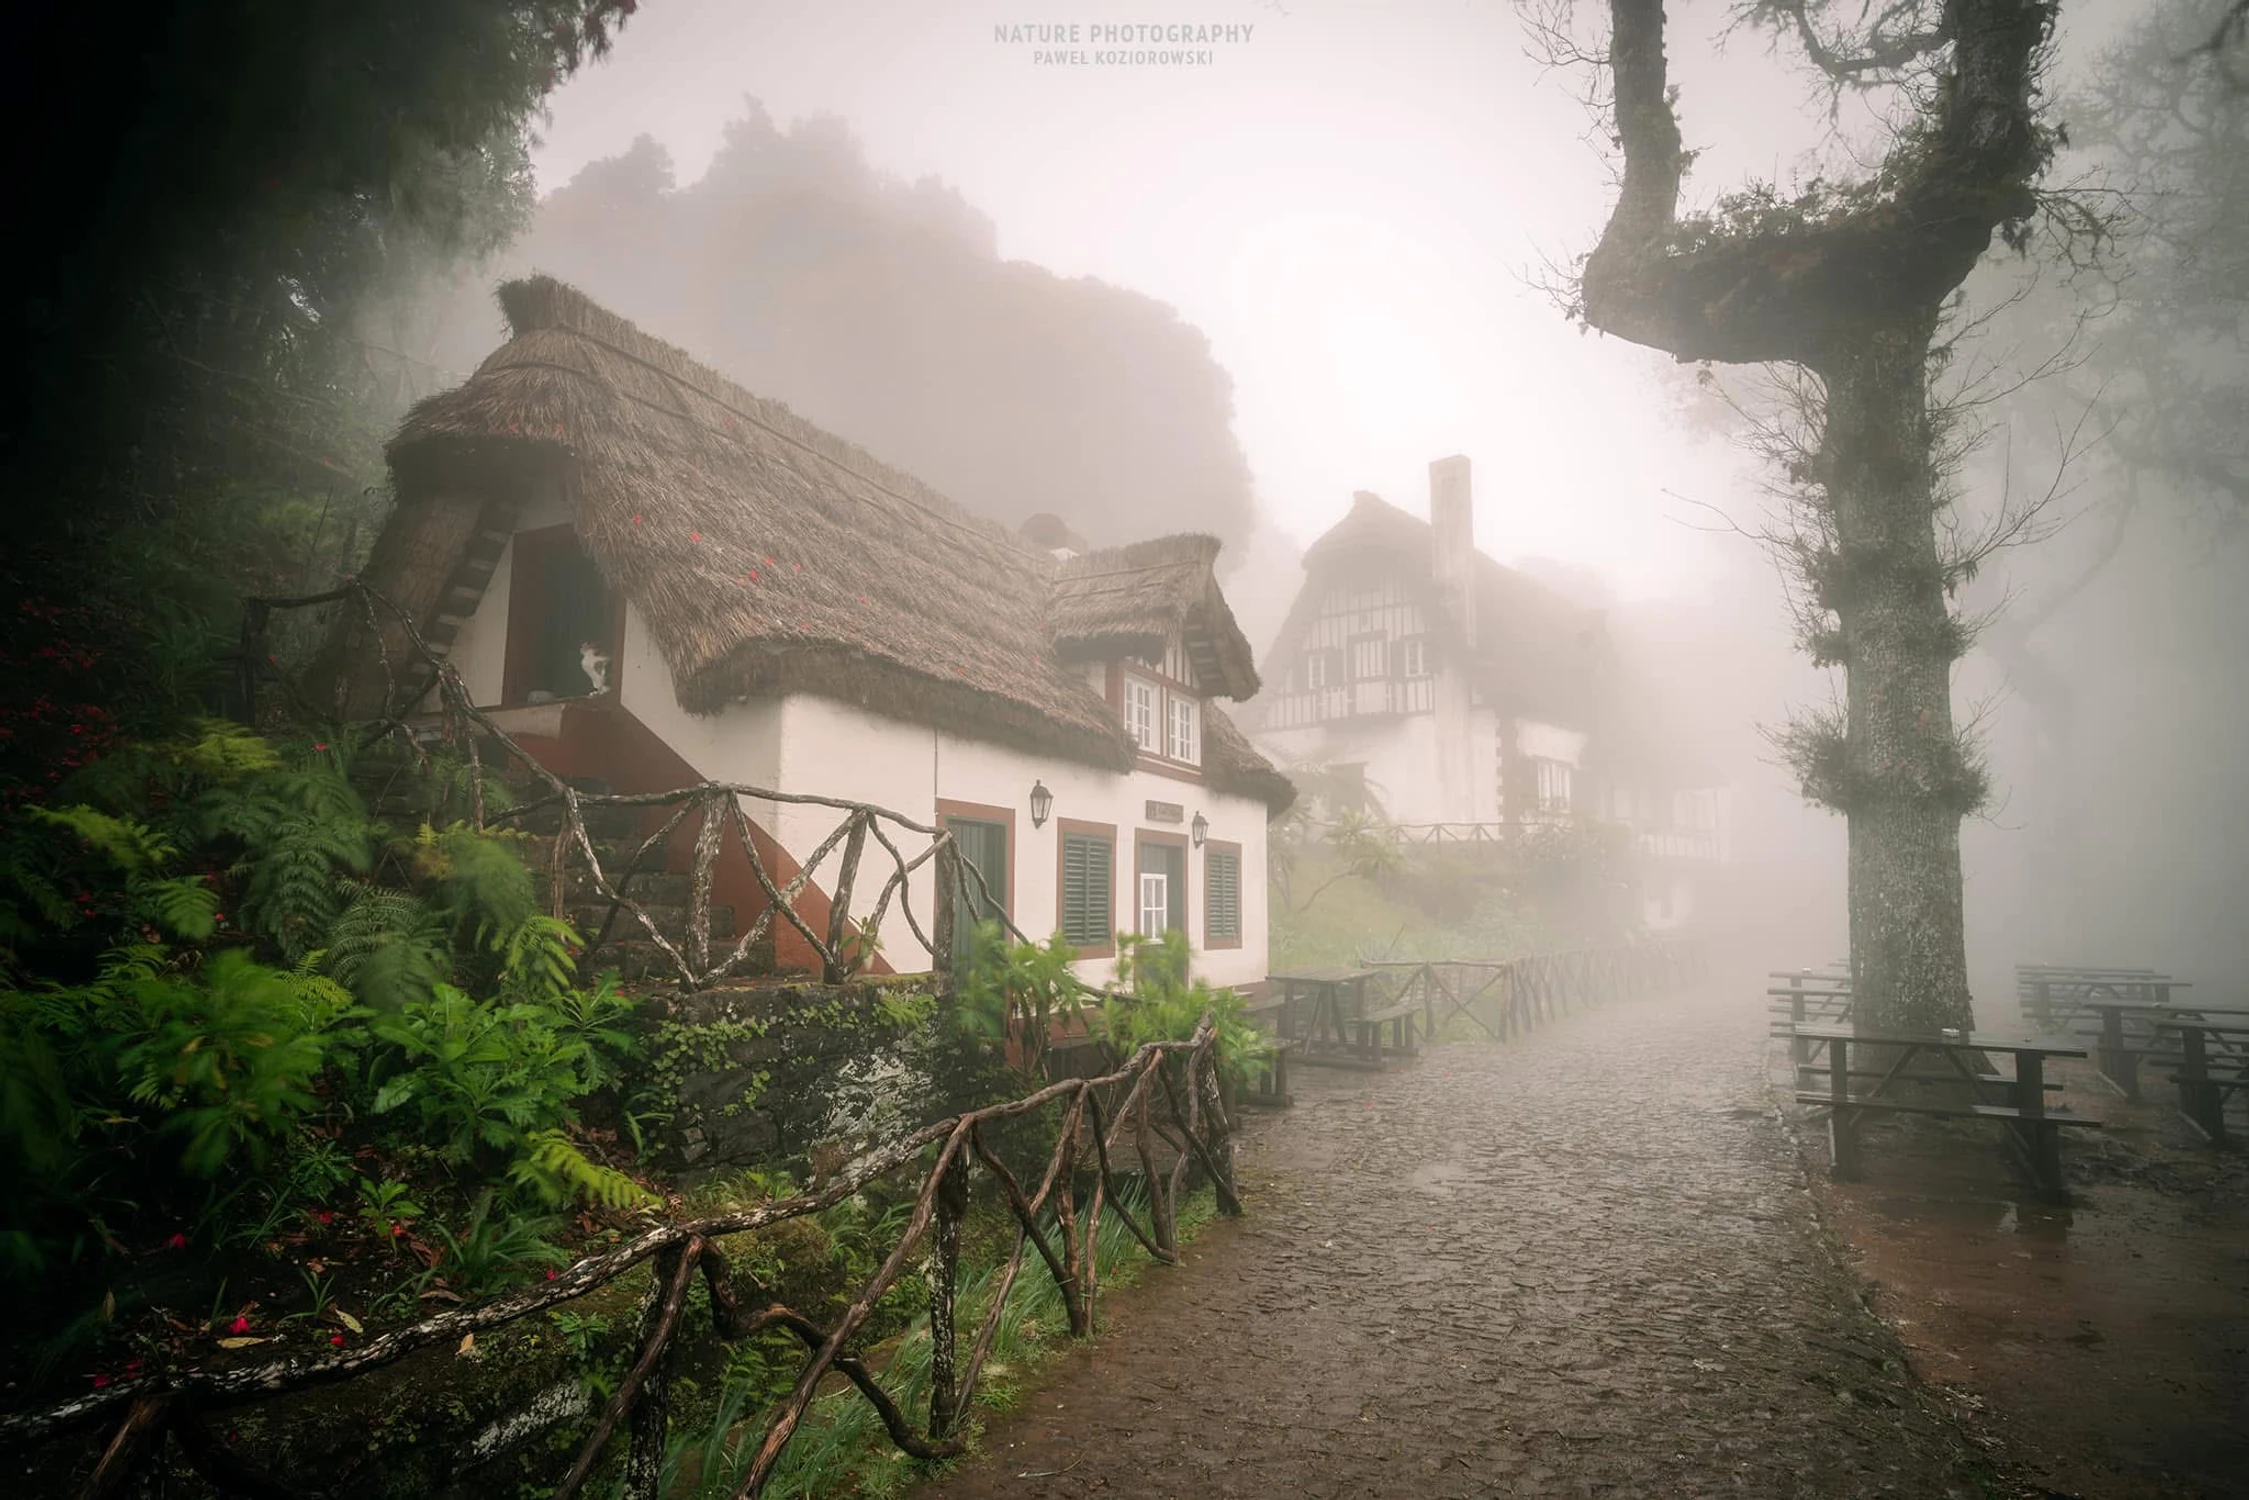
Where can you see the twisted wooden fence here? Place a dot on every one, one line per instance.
(1098, 1118)
(1505, 998)
(841, 945)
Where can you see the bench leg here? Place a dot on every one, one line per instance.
(1843, 1144)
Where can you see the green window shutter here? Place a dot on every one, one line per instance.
(1086, 897)
(1224, 872)
(983, 845)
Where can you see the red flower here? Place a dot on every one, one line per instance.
(396, 1229)
(550, 1273)
(325, 1217)
(319, 744)
(636, 520)
(178, 1241)
(336, 1339)
(100, 1381)
(239, 1326)
(694, 536)
(753, 576)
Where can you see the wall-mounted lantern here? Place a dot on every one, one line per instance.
(1042, 803)
(1200, 828)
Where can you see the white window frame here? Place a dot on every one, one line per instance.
(1315, 670)
(1416, 657)
(1155, 900)
(1371, 651)
(1182, 728)
(1140, 698)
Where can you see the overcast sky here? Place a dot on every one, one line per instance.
(1352, 203)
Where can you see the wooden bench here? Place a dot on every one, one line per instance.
(1366, 1029)
(2033, 1133)
(1268, 1074)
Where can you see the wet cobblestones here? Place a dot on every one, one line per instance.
(1583, 1264)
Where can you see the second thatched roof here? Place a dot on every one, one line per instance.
(768, 556)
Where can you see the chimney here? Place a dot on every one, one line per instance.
(1452, 540)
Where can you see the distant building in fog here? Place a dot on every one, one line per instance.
(1476, 702)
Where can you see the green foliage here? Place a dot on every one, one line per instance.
(226, 1057)
(556, 1172)
(1161, 1002)
(493, 1249)
(149, 1045)
(1011, 995)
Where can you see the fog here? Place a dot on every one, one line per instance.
(1226, 296)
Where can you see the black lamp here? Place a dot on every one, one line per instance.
(1042, 803)
(1200, 828)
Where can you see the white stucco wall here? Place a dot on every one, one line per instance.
(807, 744)
(842, 751)
(1540, 741)
(480, 650)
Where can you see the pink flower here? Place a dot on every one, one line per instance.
(178, 1241)
(550, 1273)
(336, 1339)
(100, 1381)
(239, 1326)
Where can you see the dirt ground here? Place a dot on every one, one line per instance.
(2107, 1342)
(1586, 1263)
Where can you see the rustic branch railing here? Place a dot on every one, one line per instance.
(1522, 993)
(1096, 1114)
(1660, 843)
(716, 805)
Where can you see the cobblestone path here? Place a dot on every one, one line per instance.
(1581, 1264)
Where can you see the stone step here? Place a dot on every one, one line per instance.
(638, 959)
(670, 920)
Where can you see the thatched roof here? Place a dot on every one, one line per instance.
(1537, 654)
(1135, 600)
(766, 555)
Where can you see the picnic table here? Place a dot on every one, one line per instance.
(1337, 1025)
(2051, 994)
(2203, 1091)
(2032, 1131)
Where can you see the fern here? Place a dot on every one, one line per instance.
(538, 960)
(480, 885)
(184, 907)
(387, 948)
(132, 847)
(555, 1171)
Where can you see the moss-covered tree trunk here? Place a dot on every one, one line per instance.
(1901, 778)
(1849, 283)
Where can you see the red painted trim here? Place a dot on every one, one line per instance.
(601, 739)
(1141, 838)
(1176, 770)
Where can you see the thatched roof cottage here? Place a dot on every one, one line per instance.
(661, 578)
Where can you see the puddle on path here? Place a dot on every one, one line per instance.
(2108, 1339)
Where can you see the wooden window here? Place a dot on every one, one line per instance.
(1160, 871)
(564, 624)
(1183, 743)
(1222, 895)
(1140, 713)
(985, 837)
(1085, 887)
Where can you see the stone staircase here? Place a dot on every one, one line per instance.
(616, 833)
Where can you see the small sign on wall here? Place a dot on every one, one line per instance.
(1166, 812)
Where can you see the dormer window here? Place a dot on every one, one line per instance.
(1140, 714)
(1183, 743)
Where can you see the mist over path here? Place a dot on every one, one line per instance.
(1584, 1263)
